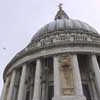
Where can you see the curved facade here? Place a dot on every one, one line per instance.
(62, 62)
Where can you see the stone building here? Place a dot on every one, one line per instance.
(62, 62)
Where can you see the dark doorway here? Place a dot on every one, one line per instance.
(83, 61)
(50, 92)
(47, 85)
(98, 59)
(86, 91)
(29, 82)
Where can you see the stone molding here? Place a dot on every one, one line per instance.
(63, 37)
(17, 62)
(67, 40)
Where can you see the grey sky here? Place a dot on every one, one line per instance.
(20, 19)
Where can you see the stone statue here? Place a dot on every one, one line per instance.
(60, 6)
(66, 73)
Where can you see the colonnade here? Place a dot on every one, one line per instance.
(37, 82)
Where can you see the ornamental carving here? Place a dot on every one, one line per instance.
(66, 74)
(63, 38)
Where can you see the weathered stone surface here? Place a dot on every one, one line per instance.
(70, 98)
(66, 74)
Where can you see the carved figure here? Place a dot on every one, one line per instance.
(66, 75)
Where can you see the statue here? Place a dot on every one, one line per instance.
(61, 14)
(60, 6)
(66, 73)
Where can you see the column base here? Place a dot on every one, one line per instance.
(36, 98)
(69, 98)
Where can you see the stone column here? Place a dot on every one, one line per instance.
(77, 76)
(57, 92)
(37, 83)
(22, 83)
(11, 88)
(3, 94)
(94, 93)
(96, 70)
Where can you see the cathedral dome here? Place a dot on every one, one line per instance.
(59, 63)
(62, 35)
(65, 24)
(62, 22)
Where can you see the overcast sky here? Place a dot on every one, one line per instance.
(20, 19)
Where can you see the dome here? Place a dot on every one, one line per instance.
(61, 35)
(65, 24)
(62, 62)
(62, 22)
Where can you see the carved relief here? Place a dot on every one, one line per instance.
(63, 37)
(66, 73)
